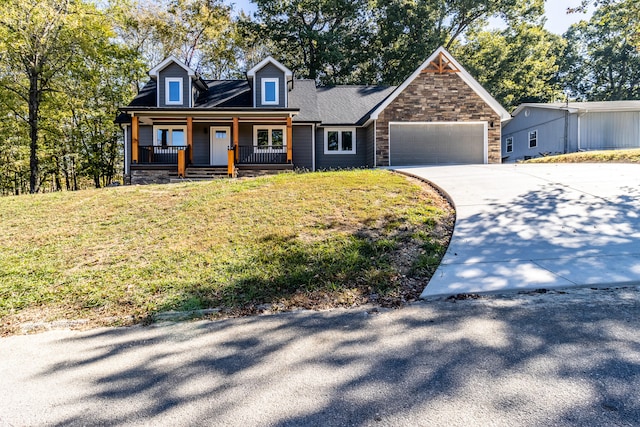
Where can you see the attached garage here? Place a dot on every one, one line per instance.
(438, 115)
(412, 143)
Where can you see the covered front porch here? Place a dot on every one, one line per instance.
(177, 143)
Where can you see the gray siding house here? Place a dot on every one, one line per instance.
(543, 129)
(181, 125)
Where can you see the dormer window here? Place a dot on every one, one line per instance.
(173, 90)
(270, 91)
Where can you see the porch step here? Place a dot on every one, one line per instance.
(203, 173)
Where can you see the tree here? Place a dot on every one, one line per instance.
(602, 60)
(201, 33)
(323, 40)
(518, 64)
(61, 75)
(407, 31)
(37, 39)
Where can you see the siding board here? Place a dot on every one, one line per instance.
(302, 150)
(201, 143)
(550, 125)
(342, 161)
(174, 70)
(270, 71)
(602, 131)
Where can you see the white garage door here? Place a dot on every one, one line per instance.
(437, 143)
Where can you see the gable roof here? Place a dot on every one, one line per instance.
(583, 107)
(464, 75)
(269, 60)
(349, 105)
(303, 95)
(146, 97)
(164, 64)
(225, 93)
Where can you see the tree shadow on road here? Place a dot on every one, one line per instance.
(537, 359)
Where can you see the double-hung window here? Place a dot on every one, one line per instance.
(510, 144)
(270, 91)
(173, 91)
(533, 139)
(270, 138)
(169, 136)
(340, 141)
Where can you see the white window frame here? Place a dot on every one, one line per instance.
(509, 144)
(263, 83)
(536, 138)
(167, 82)
(340, 131)
(171, 128)
(270, 148)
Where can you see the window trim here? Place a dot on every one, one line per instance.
(171, 128)
(263, 84)
(270, 148)
(167, 82)
(509, 144)
(535, 139)
(340, 130)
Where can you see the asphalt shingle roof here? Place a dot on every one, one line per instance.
(303, 95)
(334, 105)
(225, 93)
(338, 105)
(146, 97)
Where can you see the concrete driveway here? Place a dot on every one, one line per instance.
(538, 226)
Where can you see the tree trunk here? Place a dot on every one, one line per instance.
(34, 107)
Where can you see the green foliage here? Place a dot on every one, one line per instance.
(602, 60)
(323, 40)
(408, 31)
(198, 32)
(518, 64)
(61, 76)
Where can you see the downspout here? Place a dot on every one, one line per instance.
(566, 130)
(375, 143)
(579, 133)
(313, 147)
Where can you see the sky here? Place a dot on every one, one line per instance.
(557, 19)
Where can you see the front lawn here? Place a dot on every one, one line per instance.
(604, 156)
(122, 255)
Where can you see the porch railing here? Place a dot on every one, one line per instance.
(157, 154)
(256, 155)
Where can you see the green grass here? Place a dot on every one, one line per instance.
(604, 156)
(292, 240)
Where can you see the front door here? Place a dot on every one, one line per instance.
(220, 141)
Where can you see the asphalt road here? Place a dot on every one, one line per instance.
(536, 359)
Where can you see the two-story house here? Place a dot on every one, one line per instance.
(181, 125)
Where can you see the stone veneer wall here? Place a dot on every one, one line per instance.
(437, 98)
(150, 176)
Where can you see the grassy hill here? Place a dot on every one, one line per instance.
(604, 156)
(121, 255)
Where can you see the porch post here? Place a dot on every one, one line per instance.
(289, 140)
(236, 138)
(190, 138)
(134, 139)
(230, 165)
(182, 160)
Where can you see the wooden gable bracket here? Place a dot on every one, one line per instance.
(441, 65)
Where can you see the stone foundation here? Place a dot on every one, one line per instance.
(151, 176)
